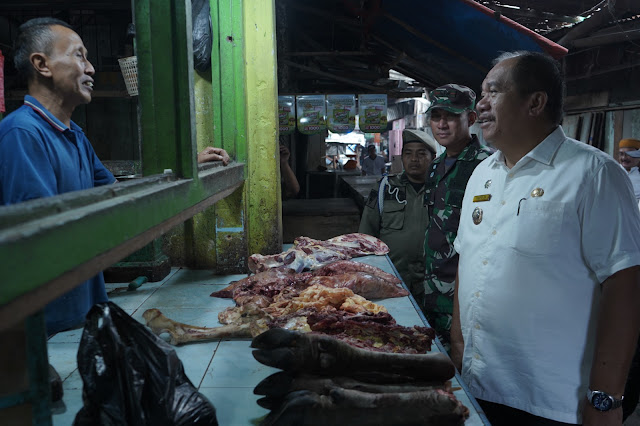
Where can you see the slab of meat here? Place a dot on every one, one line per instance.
(363, 284)
(373, 331)
(267, 279)
(344, 266)
(310, 254)
(367, 332)
(378, 332)
(260, 288)
(319, 297)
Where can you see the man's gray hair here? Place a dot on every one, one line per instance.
(35, 35)
(508, 55)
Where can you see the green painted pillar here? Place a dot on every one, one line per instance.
(236, 108)
(201, 229)
(229, 128)
(264, 206)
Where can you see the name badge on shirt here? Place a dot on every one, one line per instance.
(480, 198)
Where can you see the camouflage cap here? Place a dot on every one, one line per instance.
(455, 98)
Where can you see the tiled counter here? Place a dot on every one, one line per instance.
(224, 371)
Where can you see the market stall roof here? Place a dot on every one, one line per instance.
(337, 45)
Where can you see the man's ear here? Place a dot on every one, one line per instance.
(472, 116)
(537, 103)
(39, 62)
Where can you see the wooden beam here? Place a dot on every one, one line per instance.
(603, 71)
(263, 192)
(351, 26)
(27, 304)
(435, 43)
(324, 14)
(50, 245)
(333, 53)
(231, 223)
(525, 12)
(604, 39)
(405, 58)
(618, 128)
(609, 12)
(18, 95)
(335, 77)
(401, 57)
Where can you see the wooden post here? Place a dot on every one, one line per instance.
(264, 211)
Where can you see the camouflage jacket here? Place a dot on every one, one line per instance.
(401, 226)
(444, 190)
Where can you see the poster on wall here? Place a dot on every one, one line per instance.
(286, 114)
(341, 113)
(372, 113)
(311, 114)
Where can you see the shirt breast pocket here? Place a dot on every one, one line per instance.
(537, 227)
(392, 215)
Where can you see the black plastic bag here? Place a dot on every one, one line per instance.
(202, 34)
(132, 377)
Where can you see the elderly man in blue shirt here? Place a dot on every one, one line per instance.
(42, 152)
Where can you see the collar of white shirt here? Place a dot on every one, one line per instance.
(543, 152)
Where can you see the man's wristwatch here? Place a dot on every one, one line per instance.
(602, 401)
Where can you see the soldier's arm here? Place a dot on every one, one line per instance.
(370, 220)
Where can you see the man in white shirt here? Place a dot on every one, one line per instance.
(373, 165)
(629, 158)
(545, 308)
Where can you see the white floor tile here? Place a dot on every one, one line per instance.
(64, 412)
(186, 296)
(235, 366)
(234, 404)
(63, 358)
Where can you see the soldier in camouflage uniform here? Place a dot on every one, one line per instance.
(451, 114)
(400, 218)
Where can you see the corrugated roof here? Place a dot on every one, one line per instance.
(338, 45)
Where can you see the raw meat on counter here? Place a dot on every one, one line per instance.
(310, 254)
(368, 286)
(336, 312)
(365, 280)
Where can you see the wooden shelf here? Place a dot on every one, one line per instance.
(18, 95)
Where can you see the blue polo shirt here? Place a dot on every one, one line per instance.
(42, 157)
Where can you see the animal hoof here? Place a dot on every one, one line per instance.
(282, 358)
(276, 385)
(275, 338)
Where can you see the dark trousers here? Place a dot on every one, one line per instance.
(501, 415)
(632, 387)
